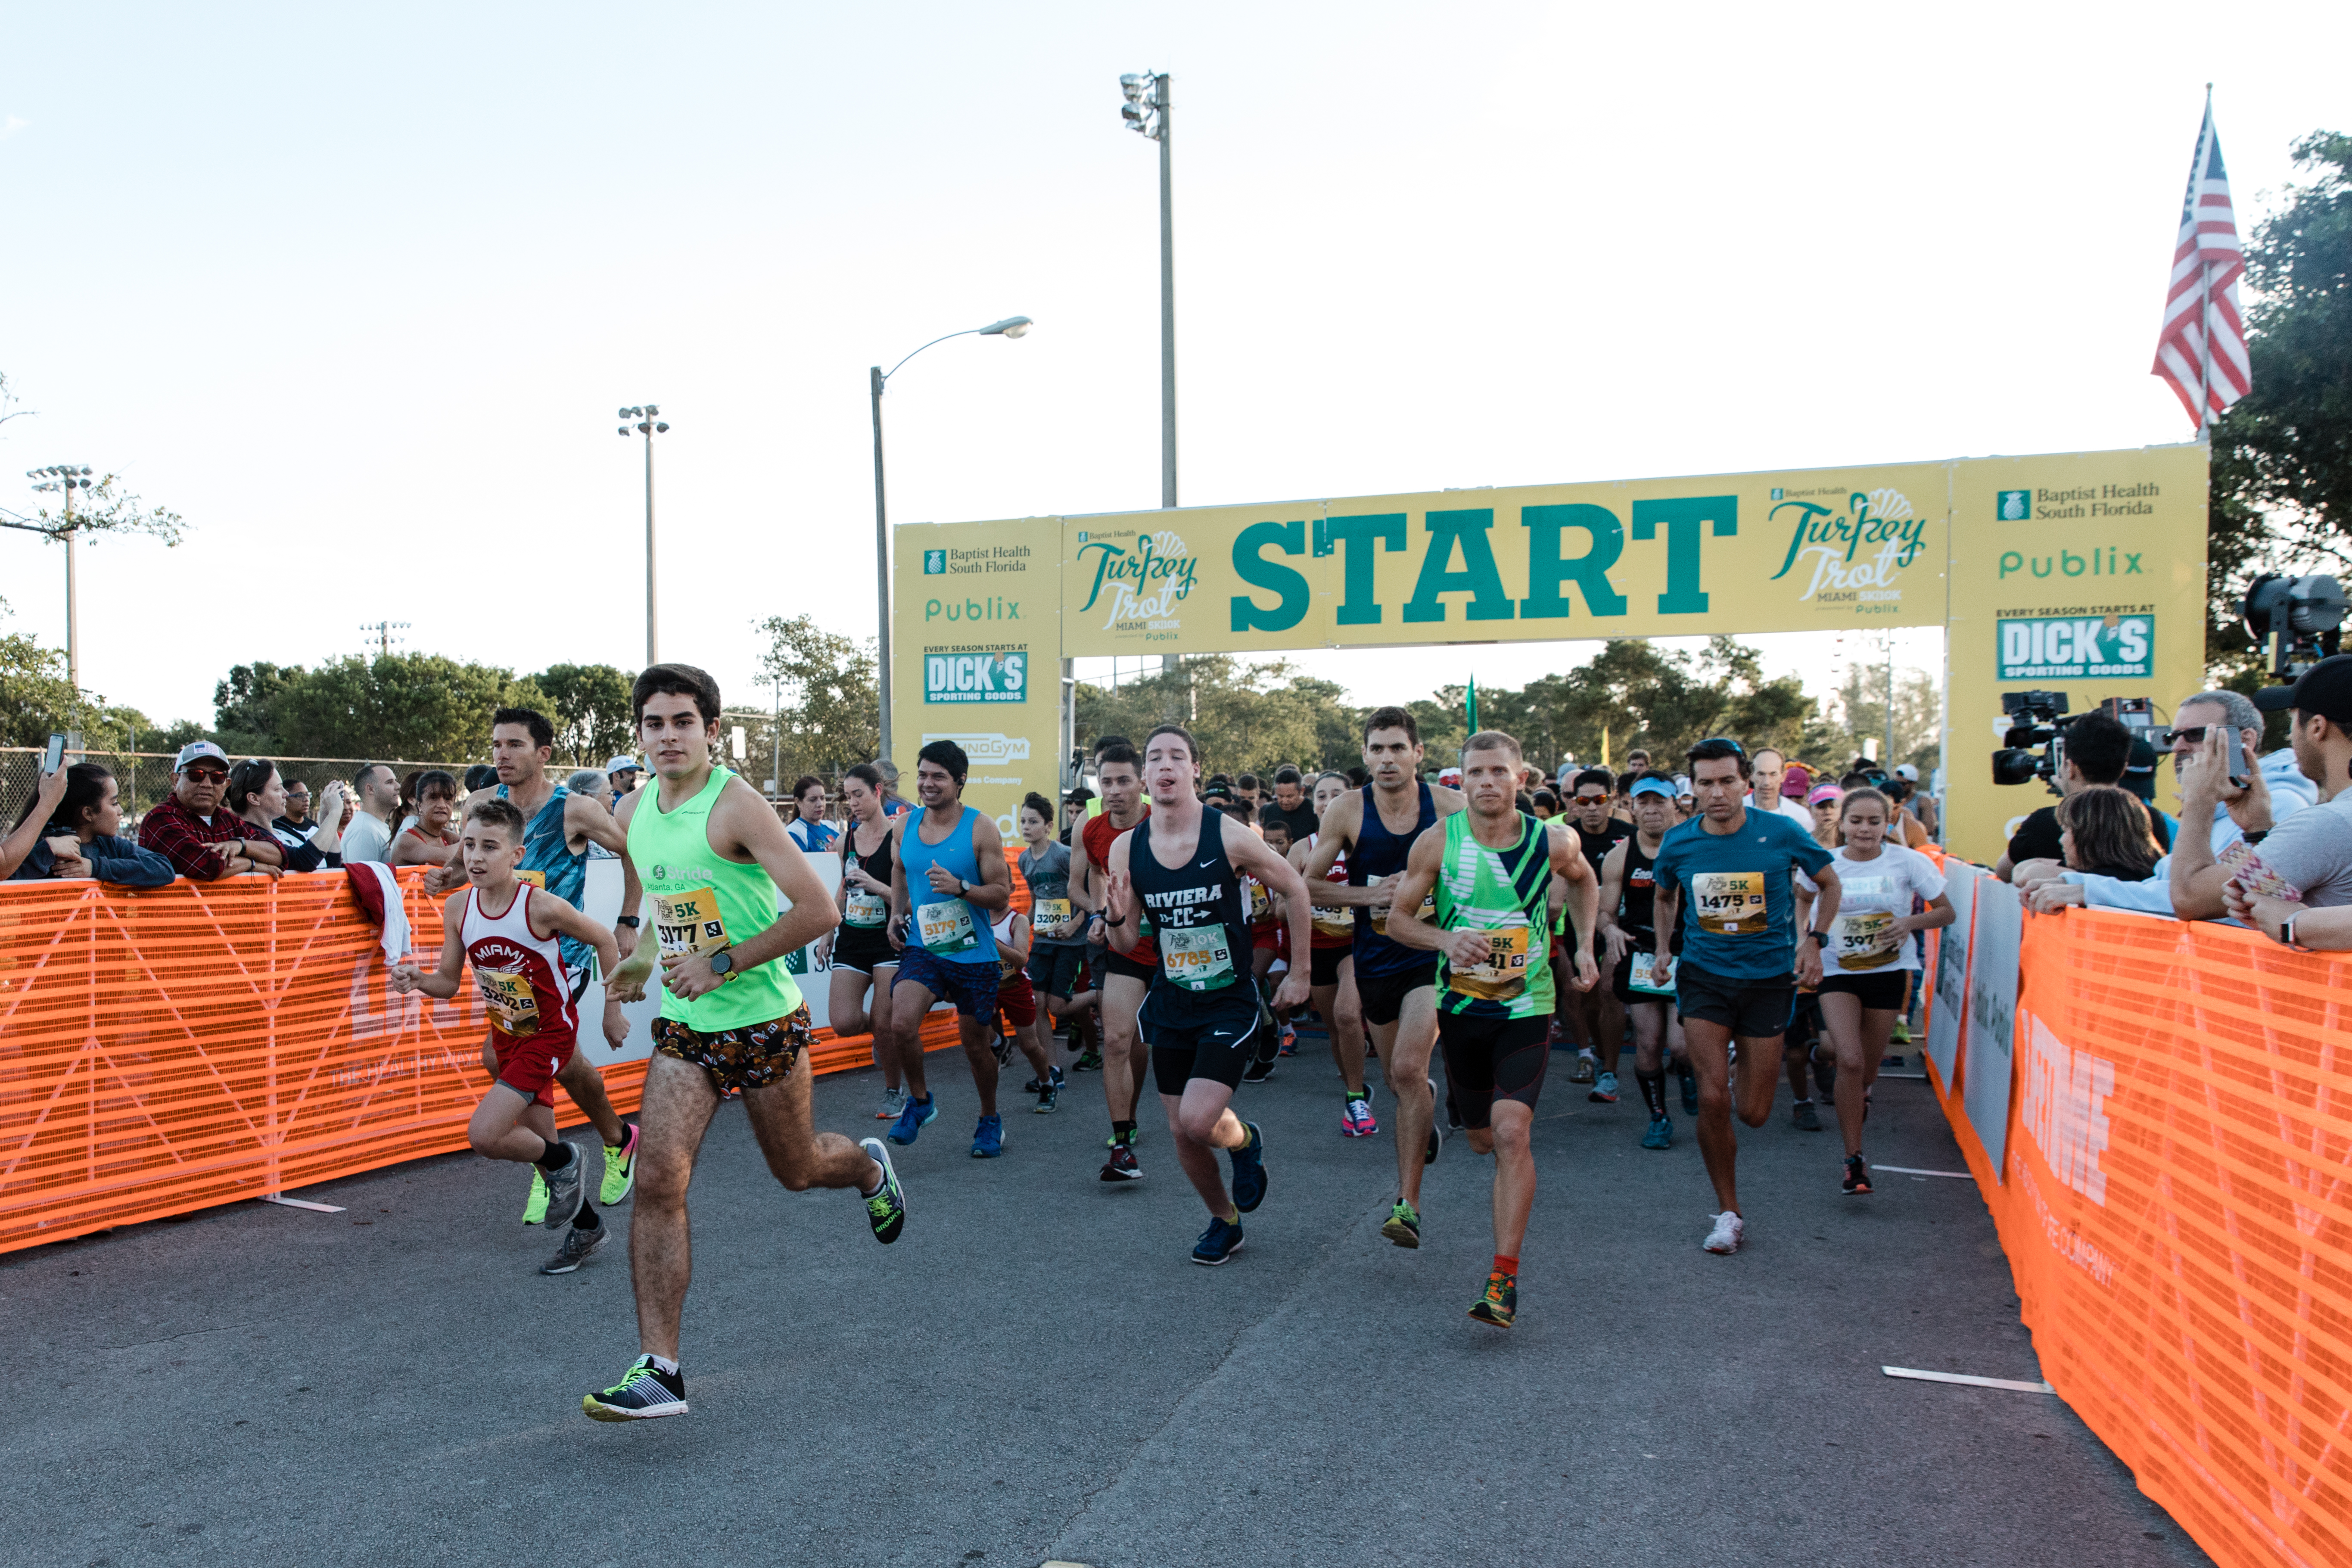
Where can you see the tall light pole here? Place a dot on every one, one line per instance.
(877, 379)
(1146, 113)
(650, 426)
(68, 478)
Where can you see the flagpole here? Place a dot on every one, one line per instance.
(2204, 285)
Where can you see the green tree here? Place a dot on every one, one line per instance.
(38, 701)
(2281, 493)
(417, 707)
(590, 709)
(1861, 716)
(1248, 718)
(825, 683)
(245, 704)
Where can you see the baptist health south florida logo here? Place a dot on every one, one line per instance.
(976, 675)
(2014, 506)
(1145, 581)
(935, 562)
(1876, 537)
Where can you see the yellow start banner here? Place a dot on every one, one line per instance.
(2082, 574)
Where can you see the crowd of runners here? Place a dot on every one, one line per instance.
(1186, 935)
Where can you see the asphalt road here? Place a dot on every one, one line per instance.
(1036, 1371)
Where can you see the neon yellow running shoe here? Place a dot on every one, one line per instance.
(1403, 1225)
(620, 1170)
(534, 1208)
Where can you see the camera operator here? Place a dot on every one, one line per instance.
(2275, 791)
(2313, 850)
(2097, 751)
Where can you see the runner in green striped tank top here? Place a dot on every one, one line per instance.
(1492, 867)
(712, 860)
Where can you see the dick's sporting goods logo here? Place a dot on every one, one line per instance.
(976, 675)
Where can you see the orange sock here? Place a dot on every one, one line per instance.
(1509, 1266)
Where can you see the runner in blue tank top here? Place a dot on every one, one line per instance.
(949, 882)
(1375, 828)
(1200, 1012)
(559, 827)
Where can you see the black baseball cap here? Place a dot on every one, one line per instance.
(2325, 690)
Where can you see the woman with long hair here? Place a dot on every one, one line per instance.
(2104, 830)
(82, 833)
(256, 792)
(1870, 956)
(863, 958)
(431, 841)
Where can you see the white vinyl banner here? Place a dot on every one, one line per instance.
(1987, 1064)
(1950, 1000)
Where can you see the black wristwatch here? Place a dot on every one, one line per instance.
(1821, 938)
(629, 920)
(723, 963)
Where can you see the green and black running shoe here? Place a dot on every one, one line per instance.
(643, 1392)
(1500, 1304)
(886, 1211)
(1403, 1225)
(534, 1208)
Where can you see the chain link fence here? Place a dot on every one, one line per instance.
(145, 777)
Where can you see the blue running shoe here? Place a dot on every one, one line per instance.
(1661, 1134)
(1219, 1242)
(912, 1120)
(1249, 1176)
(988, 1138)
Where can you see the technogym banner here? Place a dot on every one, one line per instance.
(2087, 568)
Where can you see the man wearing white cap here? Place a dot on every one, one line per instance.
(623, 772)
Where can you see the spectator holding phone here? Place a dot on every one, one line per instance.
(32, 823)
(2311, 853)
(2273, 790)
(194, 829)
(74, 828)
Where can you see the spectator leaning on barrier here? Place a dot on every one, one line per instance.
(2312, 852)
(2104, 831)
(295, 818)
(432, 839)
(73, 828)
(2275, 791)
(194, 829)
(256, 792)
(377, 792)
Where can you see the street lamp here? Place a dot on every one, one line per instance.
(876, 378)
(66, 478)
(650, 426)
(1146, 113)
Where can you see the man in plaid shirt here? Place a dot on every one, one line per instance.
(202, 838)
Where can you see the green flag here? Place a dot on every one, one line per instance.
(1471, 707)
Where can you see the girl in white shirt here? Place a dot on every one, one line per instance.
(1870, 960)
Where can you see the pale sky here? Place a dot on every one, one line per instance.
(357, 292)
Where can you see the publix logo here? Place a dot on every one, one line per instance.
(1145, 582)
(1876, 537)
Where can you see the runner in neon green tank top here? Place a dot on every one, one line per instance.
(1492, 867)
(712, 856)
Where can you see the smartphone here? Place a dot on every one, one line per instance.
(2235, 750)
(54, 757)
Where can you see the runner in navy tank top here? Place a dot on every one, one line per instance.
(1375, 828)
(1201, 1010)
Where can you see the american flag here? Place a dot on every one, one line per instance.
(2202, 349)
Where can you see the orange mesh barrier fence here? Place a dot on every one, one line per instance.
(2177, 1209)
(167, 1050)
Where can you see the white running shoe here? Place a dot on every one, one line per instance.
(1724, 1236)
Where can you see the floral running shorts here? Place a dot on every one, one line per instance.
(750, 1055)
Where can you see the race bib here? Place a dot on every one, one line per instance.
(513, 1005)
(1729, 903)
(1865, 941)
(1637, 978)
(1333, 921)
(1504, 974)
(1049, 912)
(536, 879)
(1428, 912)
(689, 922)
(946, 927)
(1261, 907)
(1200, 959)
(867, 908)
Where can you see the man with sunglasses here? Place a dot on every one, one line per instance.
(1731, 867)
(1593, 1017)
(195, 831)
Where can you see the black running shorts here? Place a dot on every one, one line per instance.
(1487, 1060)
(1218, 1047)
(1880, 993)
(1055, 970)
(1384, 995)
(1323, 965)
(1750, 1009)
(862, 948)
(1109, 963)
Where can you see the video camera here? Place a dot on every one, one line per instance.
(2294, 621)
(2040, 718)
